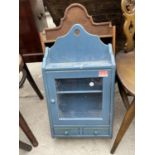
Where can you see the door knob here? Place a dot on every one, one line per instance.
(52, 101)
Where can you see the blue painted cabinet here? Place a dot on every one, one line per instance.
(79, 73)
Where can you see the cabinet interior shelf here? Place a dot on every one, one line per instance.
(79, 85)
(79, 91)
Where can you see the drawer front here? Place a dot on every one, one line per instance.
(96, 131)
(67, 131)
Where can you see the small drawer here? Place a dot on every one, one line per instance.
(66, 131)
(96, 131)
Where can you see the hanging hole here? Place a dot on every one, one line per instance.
(77, 32)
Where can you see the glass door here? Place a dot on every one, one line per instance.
(79, 97)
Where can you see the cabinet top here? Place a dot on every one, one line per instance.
(78, 49)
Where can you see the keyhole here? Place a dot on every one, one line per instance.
(77, 32)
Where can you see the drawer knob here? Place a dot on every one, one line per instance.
(66, 132)
(95, 132)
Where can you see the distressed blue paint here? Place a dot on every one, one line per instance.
(77, 60)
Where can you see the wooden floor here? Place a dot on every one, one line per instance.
(34, 111)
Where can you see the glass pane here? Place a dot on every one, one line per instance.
(79, 98)
(79, 84)
(80, 105)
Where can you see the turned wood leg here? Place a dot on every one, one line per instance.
(25, 146)
(32, 82)
(124, 126)
(24, 126)
(123, 95)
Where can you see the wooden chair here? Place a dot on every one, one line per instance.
(25, 146)
(23, 68)
(125, 62)
(77, 14)
(22, 123)
(24, 126)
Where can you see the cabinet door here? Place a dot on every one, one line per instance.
(79, 97)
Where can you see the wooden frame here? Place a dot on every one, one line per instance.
(77, 14)
(22, 122)
(125, 63)
(26, 129)
(128, 9)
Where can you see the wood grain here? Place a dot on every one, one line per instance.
(100, 10)
(129, 24)
(77, 14)
(124, 126)
(24, 126)
(125, 63)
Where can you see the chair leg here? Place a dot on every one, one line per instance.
(124, 126)
(24, 126)
(25, 146)
(32, 82)
(123, 95)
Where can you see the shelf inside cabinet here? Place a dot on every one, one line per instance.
(79, 91)
(81, 85)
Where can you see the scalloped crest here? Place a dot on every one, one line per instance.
(78, 46)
